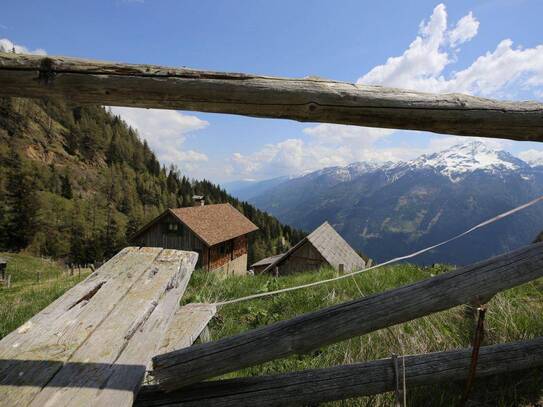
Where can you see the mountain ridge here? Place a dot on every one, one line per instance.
(391, 209)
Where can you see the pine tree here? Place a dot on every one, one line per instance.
(21, 204)
(113, 154)
(66, 187)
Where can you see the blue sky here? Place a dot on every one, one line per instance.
(488, 48)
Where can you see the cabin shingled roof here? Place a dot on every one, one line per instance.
(214, 223)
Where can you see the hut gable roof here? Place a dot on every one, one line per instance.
(214, 223)
(332, 247)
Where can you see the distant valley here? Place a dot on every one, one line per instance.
(391, 209)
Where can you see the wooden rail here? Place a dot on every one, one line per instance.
(306, 100)
(314, 386)
(476, 283)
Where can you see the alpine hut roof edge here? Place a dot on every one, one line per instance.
(267, 260)
(213, 224)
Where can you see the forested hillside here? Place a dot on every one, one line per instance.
(75, 182)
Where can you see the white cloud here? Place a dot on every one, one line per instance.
(422, 66)
(165, 131)
(466, 28)
(333, 133)
(8, 46)
(532, 157)
(494, 73)
(327, 145)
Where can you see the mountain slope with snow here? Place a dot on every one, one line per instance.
(389, 209)
(463, 159)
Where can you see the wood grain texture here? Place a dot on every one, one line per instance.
(310, 387)
(187, 324)
(94, 343)
(305, 100)
(329, 325)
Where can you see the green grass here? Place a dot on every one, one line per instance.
(27, 296)
(516, 314)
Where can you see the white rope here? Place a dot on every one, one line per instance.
(395, 260)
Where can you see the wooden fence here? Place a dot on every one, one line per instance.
(476, 283)
(309, 99)
(314, 386)
(117, 373)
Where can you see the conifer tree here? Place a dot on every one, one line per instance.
(21, 203)
(66, 187)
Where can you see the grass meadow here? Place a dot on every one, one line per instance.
(512, 315)
(35, 283)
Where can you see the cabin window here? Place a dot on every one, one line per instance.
(174, 228)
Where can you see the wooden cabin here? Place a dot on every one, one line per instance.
(218, 233)
(322, 247)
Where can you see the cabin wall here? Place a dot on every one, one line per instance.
(229, 257)
(158, 235)
(305, 258)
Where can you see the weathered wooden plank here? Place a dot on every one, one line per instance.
(77, 359)
(188, 323)
(115, 341)
(57, 332)
(314, 386)
(146, 341)
(306, 100)
(316, 329)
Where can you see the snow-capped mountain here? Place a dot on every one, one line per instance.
(391, 209)
(459, 160)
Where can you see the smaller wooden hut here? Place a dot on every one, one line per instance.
(322, 247)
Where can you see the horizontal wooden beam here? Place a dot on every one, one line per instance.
(315, 386)
(305, 100)
(332, 324)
